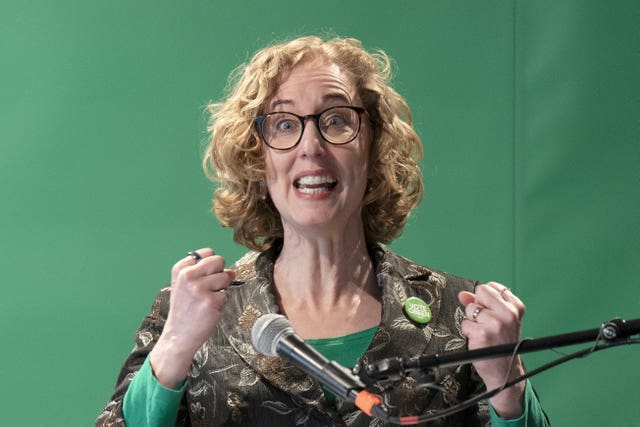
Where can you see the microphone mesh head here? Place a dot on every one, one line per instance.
(267, 332)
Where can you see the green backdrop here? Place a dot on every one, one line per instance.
(529, 113)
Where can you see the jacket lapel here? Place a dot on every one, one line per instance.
(397, 336)
(256, 297)
(401, 279)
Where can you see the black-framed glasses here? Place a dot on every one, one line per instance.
(337, 125)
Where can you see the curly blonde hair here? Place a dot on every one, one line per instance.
(234, 156)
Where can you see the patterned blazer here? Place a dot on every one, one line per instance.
(231, 384)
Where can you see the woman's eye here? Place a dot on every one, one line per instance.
(286, 126)
(335, 120)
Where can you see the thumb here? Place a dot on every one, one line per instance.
(466, 298)
(231, 274)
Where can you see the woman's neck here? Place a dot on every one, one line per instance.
(322, 266)
(327, 286)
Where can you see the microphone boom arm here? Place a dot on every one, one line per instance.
(395, 368)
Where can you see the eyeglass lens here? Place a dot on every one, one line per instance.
(337, 125)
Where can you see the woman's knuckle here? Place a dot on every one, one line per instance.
(175, 270)
(218, 262)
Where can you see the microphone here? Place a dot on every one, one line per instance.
(273, 335)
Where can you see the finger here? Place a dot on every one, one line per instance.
(196, 256)
(189, 260)
(473, 311)
(503, 290)
(209, 265)
(231, 274)
(476, 334)
(213, 282)
(499, 311)
(513, 303)
(468, 328)
(466, 298)
(489, 296)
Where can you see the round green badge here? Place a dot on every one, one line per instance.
(417, 310)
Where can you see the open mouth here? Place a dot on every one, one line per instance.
(314, 184)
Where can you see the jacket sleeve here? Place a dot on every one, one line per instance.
(145, 339)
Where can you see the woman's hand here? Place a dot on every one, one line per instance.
(494, 316)
(198, 297)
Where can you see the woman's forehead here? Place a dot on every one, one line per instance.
(316, 80)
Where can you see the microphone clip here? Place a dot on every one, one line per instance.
(384, 372)
(615, 329)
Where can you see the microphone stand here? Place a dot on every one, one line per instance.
(393, 369)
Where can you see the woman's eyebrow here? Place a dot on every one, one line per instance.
(336, 97)
(277, 102)
(330, 97)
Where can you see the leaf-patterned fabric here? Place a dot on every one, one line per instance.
(231, 384)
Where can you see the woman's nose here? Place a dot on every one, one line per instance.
(311, 142)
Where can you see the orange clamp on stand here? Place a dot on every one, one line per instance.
(368, 402)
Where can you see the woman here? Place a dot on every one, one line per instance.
(317, 164)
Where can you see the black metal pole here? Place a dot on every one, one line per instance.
(613, 331)
(624, 330)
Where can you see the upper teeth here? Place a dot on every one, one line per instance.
(315, 180)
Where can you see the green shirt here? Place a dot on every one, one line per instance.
(344, 350)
